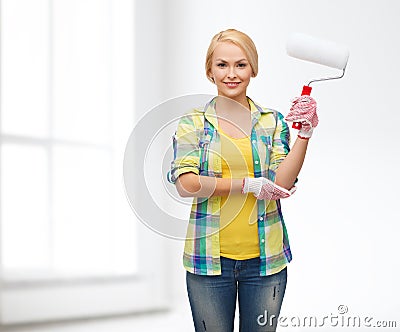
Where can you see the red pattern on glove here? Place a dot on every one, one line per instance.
(304, 110)
(271, 191)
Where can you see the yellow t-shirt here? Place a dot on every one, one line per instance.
(238, 231)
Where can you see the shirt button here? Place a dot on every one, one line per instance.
(261, 218)
(253, 141)
(262, 240)
(256, 162)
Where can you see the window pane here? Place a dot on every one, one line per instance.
(80, 221)
(125, 223)
(82, 210)
(25, 67)
(81, 70)
(24, 207)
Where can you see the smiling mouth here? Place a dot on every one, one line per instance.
(232, 84)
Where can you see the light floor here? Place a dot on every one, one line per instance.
(163, 321)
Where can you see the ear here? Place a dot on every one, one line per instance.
(210, 76)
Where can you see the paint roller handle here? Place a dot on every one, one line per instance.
(306, 92)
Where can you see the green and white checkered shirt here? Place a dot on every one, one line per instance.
(197, 149)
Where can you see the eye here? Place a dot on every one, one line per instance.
(242, 65)
(221, 64)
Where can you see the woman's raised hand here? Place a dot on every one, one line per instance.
(304, 110)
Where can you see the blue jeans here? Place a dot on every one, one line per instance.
(213, 298)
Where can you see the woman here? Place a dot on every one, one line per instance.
(233, 158)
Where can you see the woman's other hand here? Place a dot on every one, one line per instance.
(263, 188)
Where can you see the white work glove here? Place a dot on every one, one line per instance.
(263, 188)
(304, 110)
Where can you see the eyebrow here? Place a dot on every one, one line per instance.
(220, 59)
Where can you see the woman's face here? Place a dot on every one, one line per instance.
(231, 71)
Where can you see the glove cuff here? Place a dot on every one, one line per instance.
(252, 185)
(244, 186)
(305, 134)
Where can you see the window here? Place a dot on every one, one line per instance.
(62, 139)
(66, 113)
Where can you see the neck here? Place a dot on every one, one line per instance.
(224, 104)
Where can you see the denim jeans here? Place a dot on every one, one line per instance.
(213, 298)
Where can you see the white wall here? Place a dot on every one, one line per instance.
(343, 221)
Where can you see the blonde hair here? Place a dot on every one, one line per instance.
(239, 39)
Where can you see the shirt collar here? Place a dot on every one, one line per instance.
(211, 115)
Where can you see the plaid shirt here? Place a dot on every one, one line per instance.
(197, 148)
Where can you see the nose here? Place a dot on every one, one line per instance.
(232, 72)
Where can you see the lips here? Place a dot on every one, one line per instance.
(232, 84)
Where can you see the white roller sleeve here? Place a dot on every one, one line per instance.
(316, 50)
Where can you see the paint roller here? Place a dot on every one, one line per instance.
(324, 52)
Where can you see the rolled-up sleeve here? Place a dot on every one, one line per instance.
(186, 149)
(280, 145)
